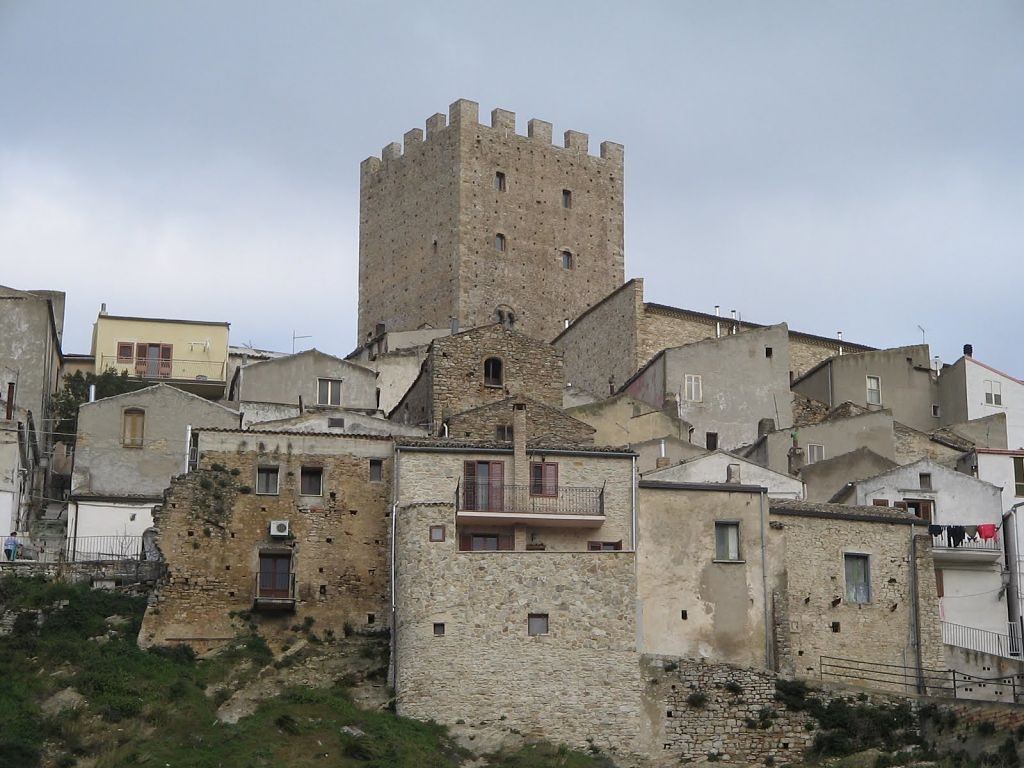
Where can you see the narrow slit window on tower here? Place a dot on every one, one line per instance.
(567, 260)
(567, 198)
(499, 242)
(499, 181)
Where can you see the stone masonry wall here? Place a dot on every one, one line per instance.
(429, 213)
(545, 425)
(912, 445)
(814, 619)
(212, 527)
(578, 682)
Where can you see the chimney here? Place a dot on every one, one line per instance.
(968, 350)
(718, 323)
(103, 308)
(520, 465)
(732, 474)
(839, 335)
(764, 426)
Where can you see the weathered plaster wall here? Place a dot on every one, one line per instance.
(714, 468)
(838, 436)
(624, 420)
(287, 379)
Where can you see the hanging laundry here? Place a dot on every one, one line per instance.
(987, 531)
(956, 534)
(972, 532)
(934, 530)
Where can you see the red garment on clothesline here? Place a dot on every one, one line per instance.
(987, 531)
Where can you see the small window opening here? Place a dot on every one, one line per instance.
(499, 242)
(768, 352)
(683, 615)
(711, 441)
(311, 481)
(567, 198)
(567, 260)
(503, 433)
(537, 624)
(376, 470)
(371, 618)
(936, 411)
(493, 373)
(835, 626)
(438, 629)
(499, 181)
(727, 541)
(925, 481)
(437, 533)
(267, 480)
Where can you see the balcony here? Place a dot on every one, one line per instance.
(500, 504)
(198, 376)
(275, 592)
(949, 547)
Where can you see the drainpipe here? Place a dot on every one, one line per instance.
(915, 610)
(394, 622)
(768, 655)
(633, 501)
(830, 385)
(188, 446)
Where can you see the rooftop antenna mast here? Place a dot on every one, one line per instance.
(922, 334)
(296, 338)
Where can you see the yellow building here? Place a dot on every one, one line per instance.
(190, 354)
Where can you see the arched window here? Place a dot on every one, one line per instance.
(567, 260)
(133, 427)
(494, 374)
(499, 242)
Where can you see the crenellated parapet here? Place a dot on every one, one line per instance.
(465, 114)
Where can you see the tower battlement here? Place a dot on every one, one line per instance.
(465, 114)
(467, 223)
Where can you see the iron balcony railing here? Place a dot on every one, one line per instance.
(529, 499)
(983, 640)
(948, 540)
(275, 589)
(89, 549)
(173, 368)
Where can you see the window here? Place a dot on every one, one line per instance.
(483, 486)
(152, 361)
(880, 502)
(858, 578)
(815, 452)
(693, 390)
(499, 181)
(940, 586)
(494, 374)
(266, 481)
(566, 259)
(936, 411)
(487, 542)
(922, 508)
(275, 575)
(438, 629)
(567, 198)
(328, 392)
(437, 533)
(711, 441)
(336, 423)
(993, 393)
(503, 433)
(604, 546)
(537, 624)
(543, 478)
(376, 470)
(311, 481)
(124, 351)
(924, 481)
(133, 428)
(499, 242)
(874, 390)
(1018, 475)
(768, 352)
(727, 541)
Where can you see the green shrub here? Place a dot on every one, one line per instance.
(697, 699)
(733, 687)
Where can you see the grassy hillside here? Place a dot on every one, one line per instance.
(75, 690)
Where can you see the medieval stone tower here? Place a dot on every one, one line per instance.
(479, 224)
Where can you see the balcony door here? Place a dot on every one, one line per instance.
(483, 486)
(275, 575)
(153, 361)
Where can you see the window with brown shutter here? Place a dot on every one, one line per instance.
(166, 360)
(940, 587)
(880, 502)
(483, 486)
(543, 478)
(134, 426)
(487, 542)
(125, 351)
(141, 355)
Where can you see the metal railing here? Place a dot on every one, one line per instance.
(269, 591)
(529, 499)
(86, 549)
(947, 541)
(175, 368)
(944, 683)
(982, 640)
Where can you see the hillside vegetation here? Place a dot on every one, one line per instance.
(76, 690)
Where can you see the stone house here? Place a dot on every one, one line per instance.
(545, 425)
(725, 467)
(290, 527)
(31, 329)
(515, 589)
(338, 421)
(663, 452)
(970, 562)
(189, 354)
(476, 367)
(620, 334)
(900, 379)
(282, 387)
(127, 449)
(725, 387)
(475, 223)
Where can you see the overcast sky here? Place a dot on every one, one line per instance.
(850, 166)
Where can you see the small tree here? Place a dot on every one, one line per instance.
(76, 391)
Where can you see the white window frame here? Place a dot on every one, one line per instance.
(693, 388)
(993, 392)
(878, 389)
(333, 387)
(810, 453)
(723, 546)
(277, 480)
(857, 599)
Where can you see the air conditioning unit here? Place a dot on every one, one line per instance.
(279, 528)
